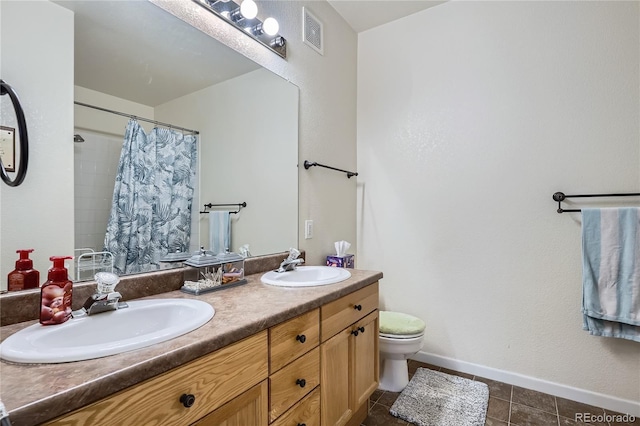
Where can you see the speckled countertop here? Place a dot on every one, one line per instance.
(39, 392)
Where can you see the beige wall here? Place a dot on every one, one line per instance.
(255, 164)
(464, 134)
(36, 59)
(99, 121)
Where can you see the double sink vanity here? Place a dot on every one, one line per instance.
(283, 354)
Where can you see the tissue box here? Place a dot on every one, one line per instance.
(345, 261)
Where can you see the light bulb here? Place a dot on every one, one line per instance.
(249, 9)
(270, 26)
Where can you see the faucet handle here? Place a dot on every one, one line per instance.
(107, 282)
(293, 253)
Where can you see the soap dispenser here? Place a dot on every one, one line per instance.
(24, 276)
(55, 294)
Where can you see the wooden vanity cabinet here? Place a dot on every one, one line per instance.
(294, 371)
(349, 356)
(318, 368)
(188, 393)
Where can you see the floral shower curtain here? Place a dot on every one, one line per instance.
(151, 210)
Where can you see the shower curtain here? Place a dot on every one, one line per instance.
(151, 209)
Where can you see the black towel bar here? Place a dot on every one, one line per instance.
(210, 205)
(560, 196)
(308, 164)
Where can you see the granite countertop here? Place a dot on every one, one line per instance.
(35, 393)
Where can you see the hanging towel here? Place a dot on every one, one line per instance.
(219, 231)
(611, 272)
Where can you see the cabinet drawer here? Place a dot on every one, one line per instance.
(306, 412)
(213, 379)
(292, 338)
(348, 309)
(250, 408)
(287, 386)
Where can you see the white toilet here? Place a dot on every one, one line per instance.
(400, 336)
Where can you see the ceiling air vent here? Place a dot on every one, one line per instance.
(312, 31)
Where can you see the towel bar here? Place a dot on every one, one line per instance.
(560, 196)
(210, 205)
(308, 164)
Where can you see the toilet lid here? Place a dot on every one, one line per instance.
(399, 324)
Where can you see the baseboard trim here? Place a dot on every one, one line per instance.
(580, 395)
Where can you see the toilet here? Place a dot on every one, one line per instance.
(400, 336)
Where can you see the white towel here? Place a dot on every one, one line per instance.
(611, 272)
(219, 231)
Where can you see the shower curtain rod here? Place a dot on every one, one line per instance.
(135, 117)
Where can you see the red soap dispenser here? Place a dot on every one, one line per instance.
(24, 276)
(55, 294)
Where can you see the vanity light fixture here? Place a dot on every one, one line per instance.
(243, 16)
(270, 26)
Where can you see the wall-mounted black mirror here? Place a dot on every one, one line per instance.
(7, 148)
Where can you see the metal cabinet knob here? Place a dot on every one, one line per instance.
(301, 382)
(357, 331)
(301, 338)
(187, 399)
(357, 307)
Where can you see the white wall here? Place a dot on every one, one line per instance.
(96, 164)
(99, 121)
(327, 129)
(37, 59)
(470, 116)
(232, 154)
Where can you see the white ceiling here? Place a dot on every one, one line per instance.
(365, 14)
(122, 47)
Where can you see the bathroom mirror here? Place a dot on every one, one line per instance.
(135, 58)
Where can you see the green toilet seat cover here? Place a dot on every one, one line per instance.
(400, 324)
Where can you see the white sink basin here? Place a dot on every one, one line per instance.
(143, 323)
(306, 276)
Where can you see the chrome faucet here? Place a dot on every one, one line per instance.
(105, 299)
(290, 263)
(101, 302)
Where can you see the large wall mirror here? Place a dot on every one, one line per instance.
(135, 58)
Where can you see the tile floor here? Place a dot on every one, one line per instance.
(508, 406)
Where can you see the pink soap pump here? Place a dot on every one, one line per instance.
(55, 294)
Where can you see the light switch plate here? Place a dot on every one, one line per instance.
(308, 229)
(8, 148)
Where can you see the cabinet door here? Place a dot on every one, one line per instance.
(335, 383)
(250, 408)
(364, 358)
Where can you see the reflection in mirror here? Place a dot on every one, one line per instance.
(133, 57)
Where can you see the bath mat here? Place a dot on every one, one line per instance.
(433, 398)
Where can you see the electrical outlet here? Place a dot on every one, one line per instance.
(308, 229)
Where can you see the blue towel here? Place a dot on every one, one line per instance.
(219, 231)
(611, 272)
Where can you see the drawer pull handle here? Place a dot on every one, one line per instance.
(301, 338)
(302, 424)
(357, 331)
(357, 307)
(187, 399)
(301, 382)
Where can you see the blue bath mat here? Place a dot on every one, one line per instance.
(433, 398)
